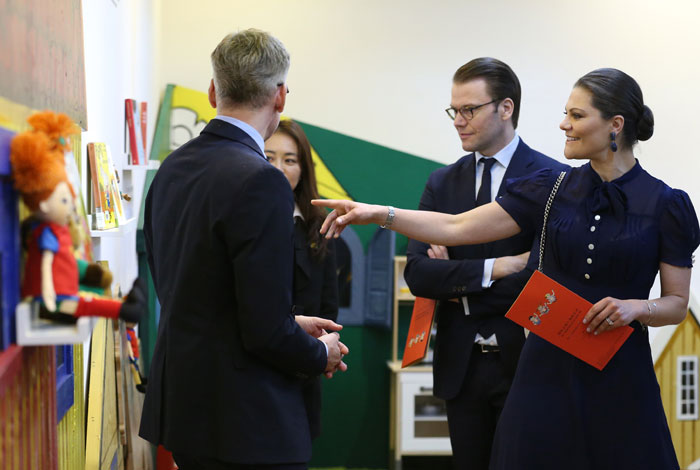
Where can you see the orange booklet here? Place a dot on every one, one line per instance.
(554, 313)
(418, 338)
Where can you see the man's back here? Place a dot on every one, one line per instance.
(218, 226)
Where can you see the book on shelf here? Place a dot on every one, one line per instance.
(80, 228)
(555, 314)
(95, 197)
(105, 190)
(419, 331)
(143, 116)
(115, 192)
(136, 148)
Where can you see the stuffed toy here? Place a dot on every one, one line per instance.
(52, 273)
(132, 346)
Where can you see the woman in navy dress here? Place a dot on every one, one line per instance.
(611, 229)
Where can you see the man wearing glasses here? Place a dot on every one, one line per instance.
(476, 349)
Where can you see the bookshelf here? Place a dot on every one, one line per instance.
(127, 227)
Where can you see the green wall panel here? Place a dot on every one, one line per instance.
(372, 173)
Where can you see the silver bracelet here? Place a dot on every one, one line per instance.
(649, 308)
(389, 218)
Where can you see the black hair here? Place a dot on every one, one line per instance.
(616, 93)
(501, 81)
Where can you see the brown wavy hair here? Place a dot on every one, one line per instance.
(306, 189)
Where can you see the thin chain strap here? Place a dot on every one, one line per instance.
(546, 215)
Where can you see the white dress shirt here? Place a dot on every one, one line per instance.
(498, 171)
(248, 129)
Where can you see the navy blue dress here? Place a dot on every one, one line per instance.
(603, 239)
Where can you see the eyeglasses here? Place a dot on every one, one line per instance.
(467, 112)
(281, 84)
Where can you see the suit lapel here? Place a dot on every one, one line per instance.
(462, 198)
(464, 194)
(301, 255)
(522, 159)
(231, 132)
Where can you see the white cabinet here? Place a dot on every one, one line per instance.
(423, 417)
(418, 420)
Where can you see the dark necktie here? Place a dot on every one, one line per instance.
(484, 194)
(484, 197)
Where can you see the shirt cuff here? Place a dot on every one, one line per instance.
(326, 349)
(486, 281)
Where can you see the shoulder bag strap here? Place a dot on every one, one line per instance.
(546, 215)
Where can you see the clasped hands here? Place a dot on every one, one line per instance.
(319, 328)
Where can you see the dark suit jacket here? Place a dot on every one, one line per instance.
(316, 295)
(226, 377)
(452, 189)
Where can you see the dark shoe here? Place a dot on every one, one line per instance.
(135, 304)
(58, 317)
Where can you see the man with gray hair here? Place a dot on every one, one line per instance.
(225, 385)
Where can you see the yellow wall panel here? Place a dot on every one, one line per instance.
(71, 429)
(102, 445)
(685, 434)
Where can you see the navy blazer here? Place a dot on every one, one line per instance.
(451, 189)
(316, 295)
(229, 362)
(315, 281)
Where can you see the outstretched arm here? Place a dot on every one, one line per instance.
(430, 272)
(484, 224)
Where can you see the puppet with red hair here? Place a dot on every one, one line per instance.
(51, 273)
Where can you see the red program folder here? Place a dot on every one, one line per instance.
(418, 338)
(554, 313)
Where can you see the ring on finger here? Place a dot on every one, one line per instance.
(610, 321)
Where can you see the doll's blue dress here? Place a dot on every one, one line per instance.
(603, 239)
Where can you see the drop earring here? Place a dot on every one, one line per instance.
(613, 144)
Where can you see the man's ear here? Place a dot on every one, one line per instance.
(212, 94)
(507, 106)
(280, 98)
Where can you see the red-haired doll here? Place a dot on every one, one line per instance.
(51, 270)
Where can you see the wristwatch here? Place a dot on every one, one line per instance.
(389, 218)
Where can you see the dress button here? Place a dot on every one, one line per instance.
(593, 228)
(589, 261)
(587, 276)
(597, 217)
(591, 246)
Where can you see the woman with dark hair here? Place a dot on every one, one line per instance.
(611, 228)
(315, 280)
